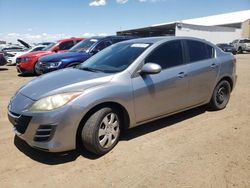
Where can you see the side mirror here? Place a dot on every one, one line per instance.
(151, 68)
(95, 51)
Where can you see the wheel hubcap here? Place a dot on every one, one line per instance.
(108, 130)
(221, 95)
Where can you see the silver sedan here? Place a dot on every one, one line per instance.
(125, 85)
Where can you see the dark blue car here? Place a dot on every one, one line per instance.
(77, 54)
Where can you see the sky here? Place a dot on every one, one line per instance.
(49, 20)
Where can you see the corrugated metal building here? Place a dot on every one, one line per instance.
(217, 29)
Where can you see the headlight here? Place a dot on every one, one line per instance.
(53, 64)
(53, 102)
(10, 55)
(24, 59)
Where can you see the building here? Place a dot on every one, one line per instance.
(217, 28)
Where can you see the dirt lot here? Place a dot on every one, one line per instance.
(196, 148)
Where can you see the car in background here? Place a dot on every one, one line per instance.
(77, 54)
(241, 45)
(25, 64)
(227, 48)
(125, 85)
(12, 56)
(2, 59)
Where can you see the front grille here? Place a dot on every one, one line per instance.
(44, 133)
(20, 122)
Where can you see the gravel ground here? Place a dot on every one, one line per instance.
(197, 148)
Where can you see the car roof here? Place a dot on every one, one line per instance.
(111, 37)
(69, 39)
(153, 40)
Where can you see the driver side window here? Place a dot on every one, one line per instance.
(103, 45)
(167, 55)
(66, 45)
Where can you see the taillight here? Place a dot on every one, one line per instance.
(234, 60)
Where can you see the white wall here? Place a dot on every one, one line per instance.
(209, 33)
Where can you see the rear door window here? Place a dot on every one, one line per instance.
(199, 51)
(167, 55)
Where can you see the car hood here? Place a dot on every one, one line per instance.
(65, 80)
(63, 55)
(38, 53)
(25, 44)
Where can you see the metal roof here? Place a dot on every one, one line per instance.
(220, 19)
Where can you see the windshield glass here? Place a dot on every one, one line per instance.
(49, 46)
(115, 58)
(83, 45)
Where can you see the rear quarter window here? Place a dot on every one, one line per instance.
(199, 51)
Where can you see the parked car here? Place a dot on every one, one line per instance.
(77, 54)
(12, 56)
(2, 59)
(123, 86)
(242, 45)
(26, 63)
(227, 48)
(22, 45)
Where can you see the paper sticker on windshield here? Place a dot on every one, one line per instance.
(139, 45)
(93, 40)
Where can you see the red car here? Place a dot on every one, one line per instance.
(26, 63)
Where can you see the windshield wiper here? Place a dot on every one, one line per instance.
(90, 69)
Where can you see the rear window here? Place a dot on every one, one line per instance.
(199, 51)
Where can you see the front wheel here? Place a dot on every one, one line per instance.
(221, 95)
(101, 131)
(73, 65)
(240, 50)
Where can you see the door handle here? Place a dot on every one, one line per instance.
(181, 75)
(213, 65)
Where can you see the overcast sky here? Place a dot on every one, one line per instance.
(48, 20)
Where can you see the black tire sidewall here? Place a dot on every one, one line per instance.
(73, 64)
(215, 105)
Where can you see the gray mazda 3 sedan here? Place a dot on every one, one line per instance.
(123, 86)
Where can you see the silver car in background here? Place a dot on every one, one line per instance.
(125, 85)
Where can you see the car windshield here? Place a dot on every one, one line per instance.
(83, 45)
(49, 46)
(224, 45)
(115, 58)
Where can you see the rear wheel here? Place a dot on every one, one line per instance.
(101, 131)
(221, 95)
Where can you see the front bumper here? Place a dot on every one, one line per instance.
(40, 69)
(53, 131)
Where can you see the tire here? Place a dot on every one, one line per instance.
(101, 131)
(240, 50)
(221, 95)
(73, 64)
(35, 72)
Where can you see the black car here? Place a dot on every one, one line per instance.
(2, 59)
(227, 48)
